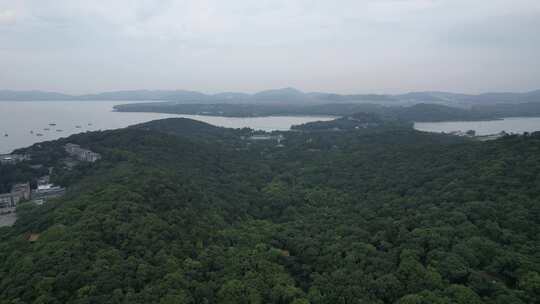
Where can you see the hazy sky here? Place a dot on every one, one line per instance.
(348, 46)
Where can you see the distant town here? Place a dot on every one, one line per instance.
(44, 190)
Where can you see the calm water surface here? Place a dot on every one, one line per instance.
(509, 125)
(18, 119)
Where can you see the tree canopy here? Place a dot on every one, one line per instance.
(375, 215)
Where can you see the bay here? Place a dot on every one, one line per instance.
(23, 121)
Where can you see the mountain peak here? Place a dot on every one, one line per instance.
(287, 90)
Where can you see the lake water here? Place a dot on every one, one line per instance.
(509, 125)
(18, 119)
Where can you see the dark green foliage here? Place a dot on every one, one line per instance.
(434, 112)
(529, 109)
(355, 121)
(360, 216)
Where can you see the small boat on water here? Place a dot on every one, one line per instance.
(47, 129)
(31, 132)
(6, 135)
(52, 124)
(39, 134)
(89, 124)
(78, 127)
(59, 130)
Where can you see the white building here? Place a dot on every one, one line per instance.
(81, 154)
(11, 159)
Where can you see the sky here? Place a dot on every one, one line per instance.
(343, 46)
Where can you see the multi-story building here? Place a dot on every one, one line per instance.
(22, 191)
(81, 154)
(5, 201)
(19, 192)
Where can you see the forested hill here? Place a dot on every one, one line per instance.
(419, 112)
(382, 215)
(355, 121)
(193, 129)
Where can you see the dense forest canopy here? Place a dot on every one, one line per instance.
(178, 211)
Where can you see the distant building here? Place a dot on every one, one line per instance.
(470, 133)
(491, 136)
(46, 192)
(81, 154)
(19, 192)
(12, 159)
(6, 202)
(261, 137)
(22, 191)
(72, 148)
(457, 133)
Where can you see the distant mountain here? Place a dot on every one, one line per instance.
(281, 96)
(424, 97)
(32, 95)
(360, 98)
(180, 95)
(284, 96)
(528, 109)
(468, 99)
(491, 98)
(231, 97)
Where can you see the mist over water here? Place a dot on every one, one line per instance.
(18, 119)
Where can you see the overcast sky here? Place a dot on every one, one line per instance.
(346, 46)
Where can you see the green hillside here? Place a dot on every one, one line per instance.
(178, 211)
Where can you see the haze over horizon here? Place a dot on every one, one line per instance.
(280, 90)
(388, 46)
